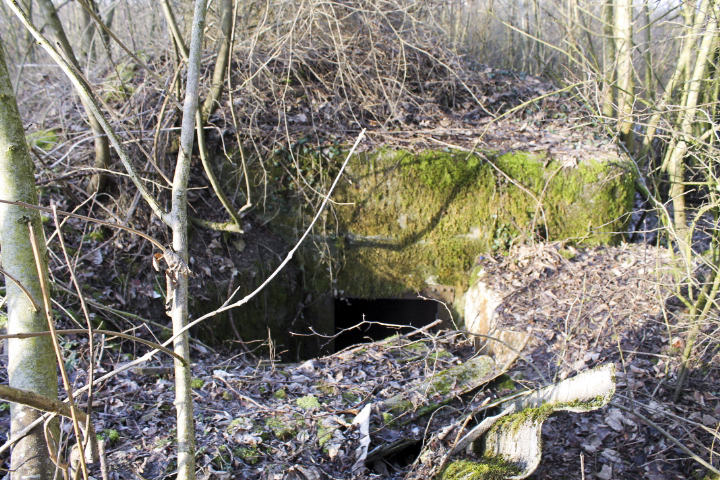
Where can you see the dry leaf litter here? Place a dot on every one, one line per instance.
(279, 421)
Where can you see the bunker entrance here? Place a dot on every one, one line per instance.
(364, 321)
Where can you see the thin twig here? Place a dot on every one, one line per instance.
(231, 285)
(105, 28)
(233, 115)
(89, 219)
(83, 306)
(40, 402)
(132, 316)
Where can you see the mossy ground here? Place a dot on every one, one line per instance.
(251, 455)
(308, 402)
(43, 139)
(281, 428)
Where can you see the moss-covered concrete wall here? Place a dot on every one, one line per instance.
(409, 220)
(400, 222)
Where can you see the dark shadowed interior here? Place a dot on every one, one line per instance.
(406, 314)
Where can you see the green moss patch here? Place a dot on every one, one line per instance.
(486, 469)
(42, 139)
(250, 455)
(325, 432)
(282, 428)
(308, 402)
(351, 398)
(408, 217)
(110, 435)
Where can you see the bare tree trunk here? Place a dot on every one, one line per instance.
(173, 26)
(540, 56)
(647, 53)
(582, 17)
(625, 73)
(572, 24)
(223, 57)
(234, 226)
(29, 42)
(178, 215)
(109, 17)
(610, 60)
(176, 219)
(676, 156)
(87, 47)
(102, 146)
(95, 31)
(31, 362)
(527, 42)
(693, 24)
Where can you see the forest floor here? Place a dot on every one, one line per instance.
(273, 420)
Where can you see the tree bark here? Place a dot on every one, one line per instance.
(692, 22)
(625, 73)
(179, 225)
(87, 46)
(223, 58)
(209, 106)
(676, 156)
(610, 58)
(29, 42)
(647, 53)
(173, 26)
(102, 146)
(540, 56)
(31, 361)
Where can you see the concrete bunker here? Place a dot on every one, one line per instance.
(403, 223)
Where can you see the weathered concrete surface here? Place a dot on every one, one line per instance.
(418, 220)
(403, 223)
(516, 439)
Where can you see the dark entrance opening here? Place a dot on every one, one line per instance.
(405, 314)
